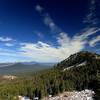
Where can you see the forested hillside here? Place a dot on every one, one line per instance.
(78, 72)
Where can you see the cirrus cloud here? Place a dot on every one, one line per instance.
(5, 39)
(95, 40)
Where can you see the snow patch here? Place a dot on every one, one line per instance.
(77, 65)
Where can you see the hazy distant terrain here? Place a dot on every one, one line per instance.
(15, 68)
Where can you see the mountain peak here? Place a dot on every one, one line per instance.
(79, 58)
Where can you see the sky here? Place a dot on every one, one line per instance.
(48, 30)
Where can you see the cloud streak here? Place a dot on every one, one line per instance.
(47, 20)
(5, 39)
(91, 18)
(95, 40)
(9, 44)
(39, 8)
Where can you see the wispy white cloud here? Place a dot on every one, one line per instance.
(88, 32)
(8, 52)
(9, 44)
(5, 39)
(48, 21)
(39, 8)
(39, 34)
(45, 52)
(8, 55)
(95, 40)
(40, 51)
(91, 18)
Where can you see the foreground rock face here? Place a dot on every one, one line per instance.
(75, 95)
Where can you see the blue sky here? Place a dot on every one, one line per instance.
(48, 30)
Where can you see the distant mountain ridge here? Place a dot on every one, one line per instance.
(13, 68)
